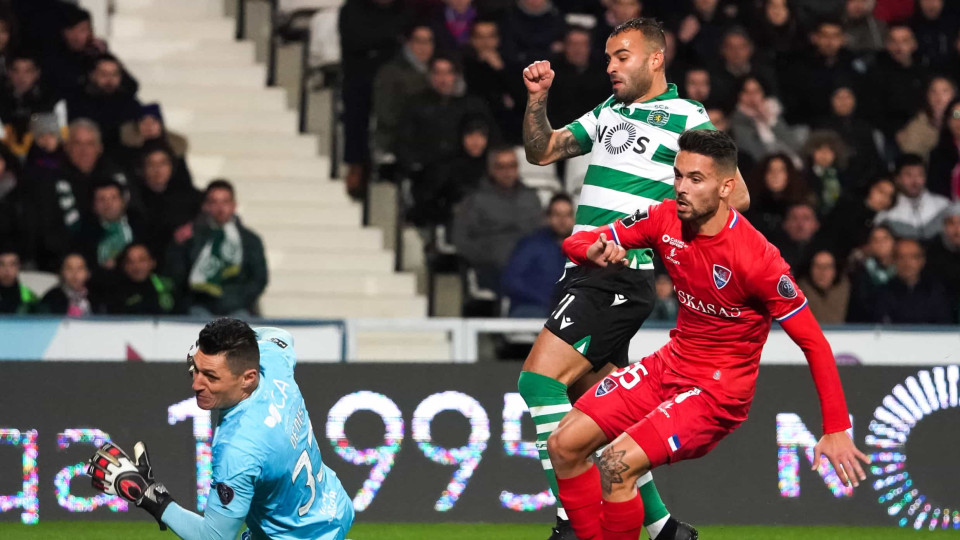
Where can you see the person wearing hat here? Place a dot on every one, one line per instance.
(151, 127)
(45, 153)
(943, 255)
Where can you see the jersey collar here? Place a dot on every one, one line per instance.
(671, 93)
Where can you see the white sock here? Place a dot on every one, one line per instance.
(654, 529)
(562, 514)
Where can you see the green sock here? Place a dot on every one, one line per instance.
(547, 401)
(654, 511)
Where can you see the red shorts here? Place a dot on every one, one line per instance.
(671, 418)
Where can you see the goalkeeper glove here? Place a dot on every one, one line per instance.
(114, 473)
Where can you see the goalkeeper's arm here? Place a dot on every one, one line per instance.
(190, 526)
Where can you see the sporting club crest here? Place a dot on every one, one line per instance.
(606, 386)
(721, 276)
(658, 118)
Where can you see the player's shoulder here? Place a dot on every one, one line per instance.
(756, 253)
(605, 104)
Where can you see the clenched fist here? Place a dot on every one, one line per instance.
(538, 77)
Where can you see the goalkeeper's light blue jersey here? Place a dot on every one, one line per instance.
(266, 459)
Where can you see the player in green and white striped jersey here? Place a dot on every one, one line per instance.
(633, 139)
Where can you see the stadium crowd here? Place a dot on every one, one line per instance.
(846, 114)
(93, 186)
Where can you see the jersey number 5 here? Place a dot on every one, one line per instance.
(304, 463)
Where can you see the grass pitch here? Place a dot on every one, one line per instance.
(461, 531)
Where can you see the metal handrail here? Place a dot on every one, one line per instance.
(241, 33)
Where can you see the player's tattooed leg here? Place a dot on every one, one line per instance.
(611, 467)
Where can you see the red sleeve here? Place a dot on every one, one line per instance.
(805, 332)
(774, 286)
(634, 231)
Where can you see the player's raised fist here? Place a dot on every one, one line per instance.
(538, 77)
(604, 252)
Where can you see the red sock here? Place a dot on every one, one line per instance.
(581, 498)
(622, 520)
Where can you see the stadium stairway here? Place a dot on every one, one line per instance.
(323, 262)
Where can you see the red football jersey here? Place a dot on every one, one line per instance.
(729, 287)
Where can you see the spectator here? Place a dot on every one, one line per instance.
(855, 132)
(872, 268)
(397, 81)
(701, 32)
(897, 80)
(8, 38)
(814, 77)
(151, 127)
(15, 221)
(443, 185)
(537, 262)
(935, 30)
(827, 289)
(14, 296)
(368, 39)
(738, 61)
(951, 66)
(917, 213)
(489, 222)
(106, 100)
(22, 97)
(135, 288)
(491, 79)
(945, 157)
(775, 185)
(848, 225)
(893, 10)
(104, 235)
(777, 33)
(921, 134)
(826, 158)
(864, 33)
(451, 24)
(585, 83)
(68, 64)
(756, 124)
(61, 199)
(532, 30)
(697, 84)
(616, 13)
(222, 263)
(665, 307)
(911, 297)
(46, 154)
(431, 122)
(795, 241)
(72, 296)
(169, 206)
(944, 258)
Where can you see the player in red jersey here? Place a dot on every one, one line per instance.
(680, 401)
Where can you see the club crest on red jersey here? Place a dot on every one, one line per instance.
(721, 276)
(606, 386)
(785, 287)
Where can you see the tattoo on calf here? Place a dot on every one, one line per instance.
(611, 467)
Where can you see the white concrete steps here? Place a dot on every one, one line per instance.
(307, 215)
(252, 76)
(287, 238)
(173, 27)
(332, 282)
(304, 304)
(169, 8)
(242, 145)
(271, 169)
(203, 100)
(319, 193)
(254, 123)
(374, 346)
(346, 257)
(184, 52)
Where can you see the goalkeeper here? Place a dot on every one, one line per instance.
(267, 469)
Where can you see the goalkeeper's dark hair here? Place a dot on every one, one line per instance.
(652, 30)
(714, 144)
(235, 339)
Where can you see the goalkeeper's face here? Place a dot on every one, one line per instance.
(216, 386)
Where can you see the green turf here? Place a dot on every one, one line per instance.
(366, 531)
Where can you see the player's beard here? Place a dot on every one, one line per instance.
(634, 87)
(698, 214)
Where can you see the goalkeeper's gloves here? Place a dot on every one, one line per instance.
(114, 473)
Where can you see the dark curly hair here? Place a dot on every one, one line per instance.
(235, 339)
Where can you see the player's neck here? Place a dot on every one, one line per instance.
(658, 87)
(713, 224)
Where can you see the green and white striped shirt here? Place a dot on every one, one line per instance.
(632, 151)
